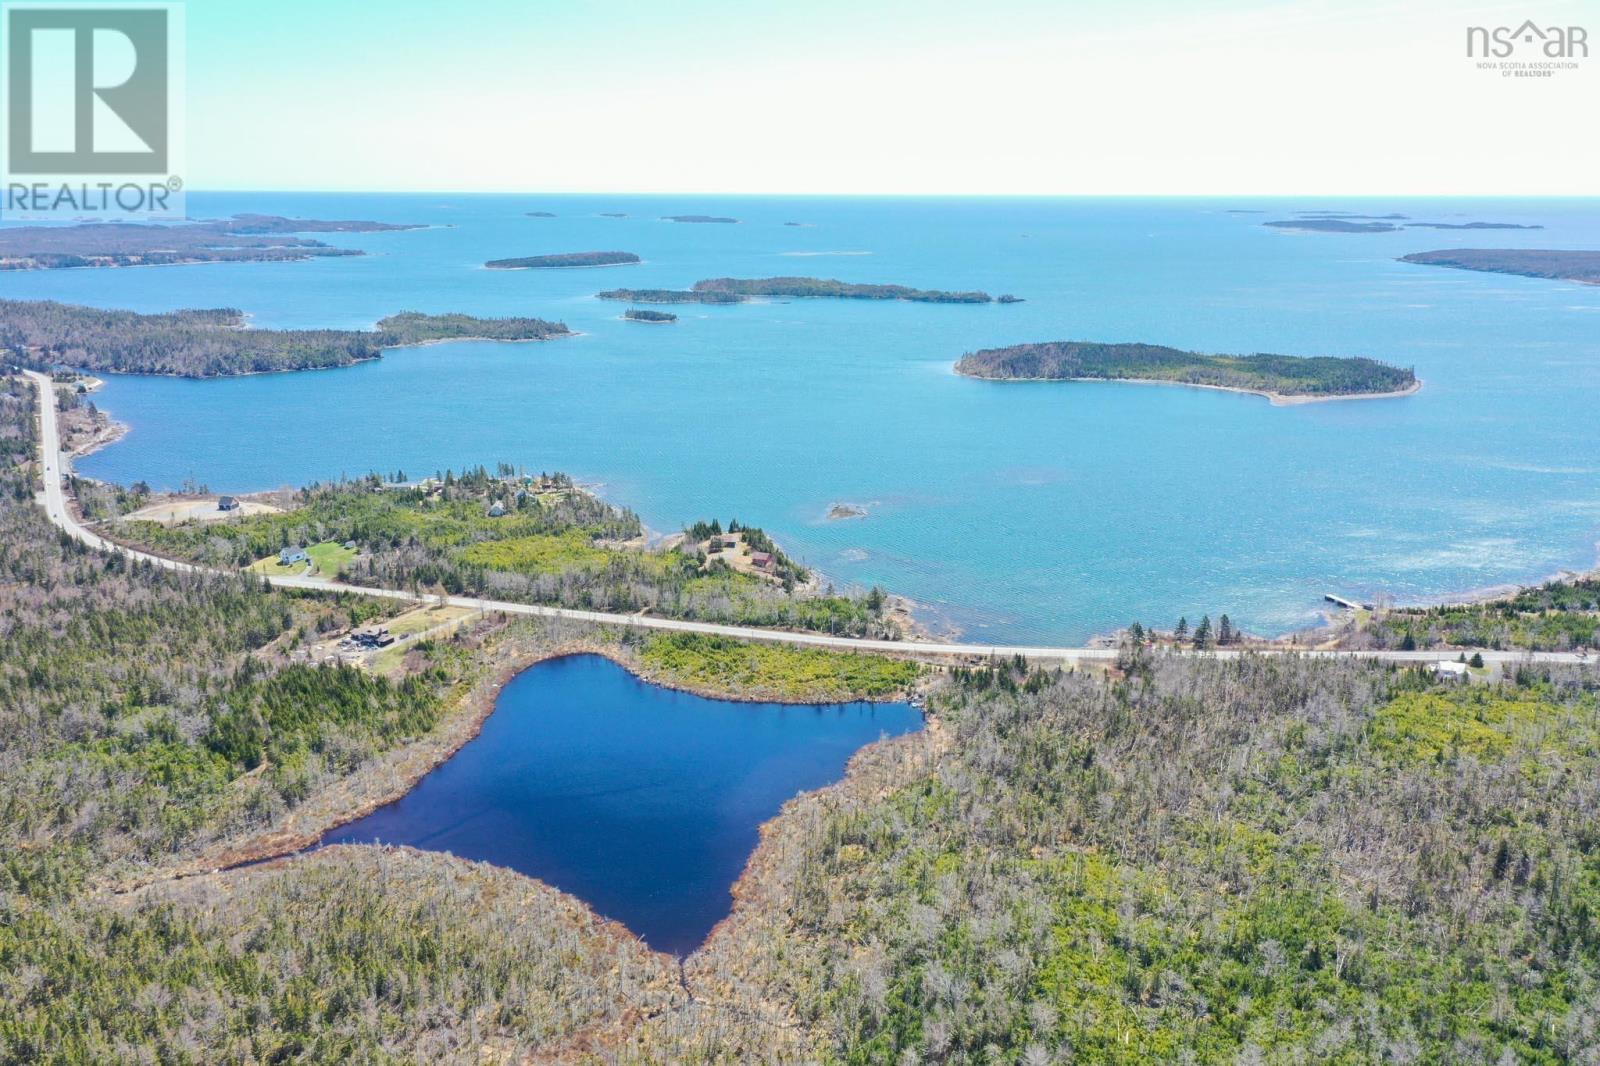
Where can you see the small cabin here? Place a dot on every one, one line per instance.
(228, 503)
(497, 510)
(761, 560)
(288, 556)
(1449, 671)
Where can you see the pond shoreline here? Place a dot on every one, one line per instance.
(396, 774)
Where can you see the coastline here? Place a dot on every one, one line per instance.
(331, 366)
(111, 433)
(1277, 399)
(905, 612)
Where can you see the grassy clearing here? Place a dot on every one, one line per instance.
(425, 618)
(772, 670)
(539, 553)
(327, 559)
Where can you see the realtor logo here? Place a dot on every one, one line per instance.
(92, 91)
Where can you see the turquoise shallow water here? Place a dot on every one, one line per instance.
(1014, 512)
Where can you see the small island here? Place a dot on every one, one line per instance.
(240, 239)
(1007, 298)
(1554, 264)
(564, 259)
(739, 290)
(1328, 224)
(1334, 222)
(808, 288)
(636, 314)
(698, 218)
(1469, 225)
(613, 214)
(841, 512)
(541, 214)
(215, 343)
(413, 327)
(1283, 379)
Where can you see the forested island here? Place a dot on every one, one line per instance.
(1555, 264)
(671, 296)
(243, 238)
(564, 259)
(541, 214)
(1331, 222)
(843, 290)
(698, 218)
(638, 314)
(1469, 225)
(213, 342)
(1281, 378)
(739, 290)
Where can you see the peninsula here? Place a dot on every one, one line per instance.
(1555, 264)
(241, 239)
(1281, 378)
(214, 343)
(564, 259)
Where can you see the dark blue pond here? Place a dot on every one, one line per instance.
(641, 801)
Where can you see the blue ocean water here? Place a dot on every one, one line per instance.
(642, 801)
(1022, 512)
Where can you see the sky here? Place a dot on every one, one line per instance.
(1006, 97)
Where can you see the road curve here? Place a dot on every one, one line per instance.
(57, 466)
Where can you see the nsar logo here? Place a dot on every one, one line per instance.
(1552, 42)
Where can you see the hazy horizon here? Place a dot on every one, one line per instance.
(1026, 98)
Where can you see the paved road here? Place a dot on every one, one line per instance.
(54, 502)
